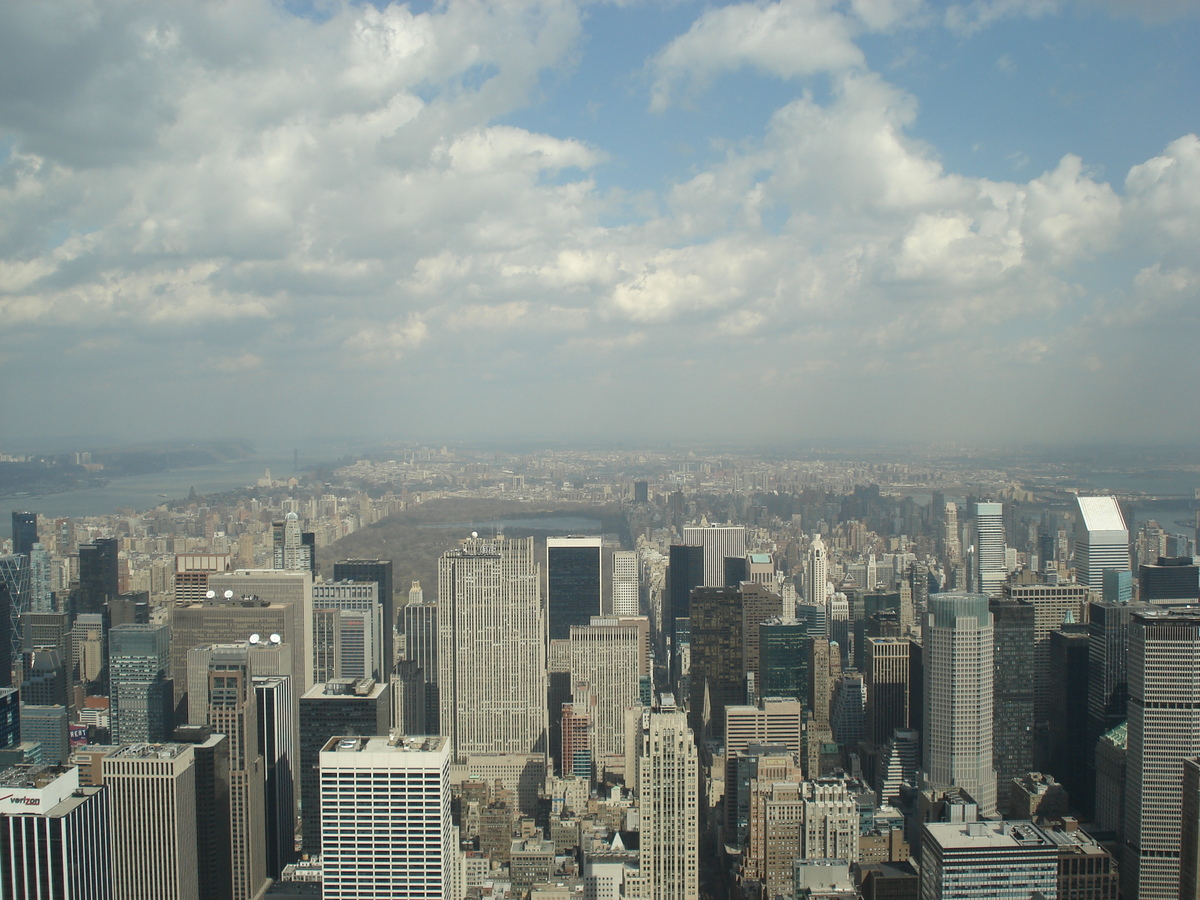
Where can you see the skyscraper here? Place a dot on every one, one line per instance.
(275, 709)
(53, 836)
(606, 655)
(14, 600)
(348, 629)
(1163, 730)
(987, 860)
(492, 681)
(816, 573)
(1101, 540)
(718, 677)
(380, 572)
(625, 583)
(99, 576)
(1013, 691)
(991, 567)
(958, 688)
(152, 796)
(405, 848)
(341, 707)
(719, 542)
(420, 650)
(572, 583)
(141, 696)
(668, 804)
(289, 550)
(232, 711)
(24, 532)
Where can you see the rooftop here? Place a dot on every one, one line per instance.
(396, 742)
(1101, 514)
(149, 751)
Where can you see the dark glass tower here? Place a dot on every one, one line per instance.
(572, 583)
(785, 652)
(99, 580)
(1013, 693)
(686, 573)
(24, 531)
(380, 572)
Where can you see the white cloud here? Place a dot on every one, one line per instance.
(787, 39)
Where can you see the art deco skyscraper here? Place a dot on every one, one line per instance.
(1101, 540)
(1164, 730)
(668, 805)
(990, 566)
(492, 681)
(572, 582)
(625, 583)
(957, 655)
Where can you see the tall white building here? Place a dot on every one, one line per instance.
(668, 806)
(719, 542)
(386, 829)
(54, 841)
(625, 583)
(492, 681)
(1101, 540)
(152, 817)
(991, 566)
(1163, 730)
(816, 573)
(958, 697)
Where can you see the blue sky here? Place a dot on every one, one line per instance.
(883, 219)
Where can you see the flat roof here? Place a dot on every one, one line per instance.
(1101, 514)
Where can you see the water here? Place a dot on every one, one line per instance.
(142, 492)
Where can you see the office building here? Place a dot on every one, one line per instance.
(141, 696)
(210, 753)
(340, 707)
(152, 814)
(48, 726)
(886, 679)
(1171, 581)
(719, 542)
(1053, 606)
(607, 657)
(46, 679)
(192, 572)
(1163, 731)
(492, 681)
(1101, 540)
(405, 848)
(959, 680)
(1069, 754)
(233, 712)
(572, 583)
(991, 567)
(1189, 836)
(99, 575)
(421, 650)
(10, 717)
(229, 616)
(717, 676)
(1118, 586)
(987, 860)
(685, 573)
(380, 572)
(53, 836)
(14, 600)
(24, 532)
(1013, 692)
(275, 709)
(348, 630)
(50, 631)
(785, 653)
(625, 583)
(668, 804)
(759, 604)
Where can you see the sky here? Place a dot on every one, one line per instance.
(798, 221)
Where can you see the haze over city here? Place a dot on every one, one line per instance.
(591, 221)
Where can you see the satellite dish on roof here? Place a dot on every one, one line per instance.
(474, 534)
(210, 594)
(275, 639)
(229, 595)
(254, 638)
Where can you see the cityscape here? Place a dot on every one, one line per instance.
(460, 672)
(599, 450)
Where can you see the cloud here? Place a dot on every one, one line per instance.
(786, 39)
